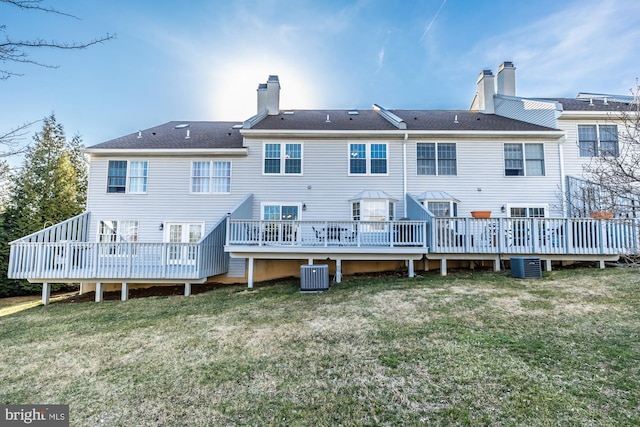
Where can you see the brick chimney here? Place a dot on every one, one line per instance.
(486, 90)
(269, 96)
(507, 79)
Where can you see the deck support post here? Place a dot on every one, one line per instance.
(338, 270)
(187, 289)
(496, 265)
(99, 291)
(601, 264)
(410, 266)
(250, 273)
(443, 267)
(547, 265)
(46, 293)
(124, 291)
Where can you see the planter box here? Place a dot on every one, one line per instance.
(481, 214)
(601, 215)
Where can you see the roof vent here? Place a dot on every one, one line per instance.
(328, 119)
(139, 134)
(182, 126)
(188, 134)
(606, 102)
(591, 102)
(455, 119)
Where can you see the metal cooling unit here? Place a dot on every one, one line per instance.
(526, 268)
(314, 278)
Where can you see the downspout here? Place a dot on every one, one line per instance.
(404, 172)
(563, 188)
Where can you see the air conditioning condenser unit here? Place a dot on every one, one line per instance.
(314, 278)
(526, 268)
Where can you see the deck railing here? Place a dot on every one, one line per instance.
(41, 257)
(328, 233)
(534, 236)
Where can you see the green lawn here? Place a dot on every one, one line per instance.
(468, 349)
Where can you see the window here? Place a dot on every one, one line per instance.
(278, 212)
(527, 211)
(117, 176)
(211, 177)
(594, 140)
(445, 209)
(373, 210)
(275, 163)
(181, 233)
(117, 231)
(442, 164)
(367, 159)
(524, 159)
(137, 177)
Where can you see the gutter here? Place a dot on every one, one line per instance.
(182, 152)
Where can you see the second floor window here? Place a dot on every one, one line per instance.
(119, 170)
(367, 159)
(598, 140)
(524, 159)
(282, 159)
(211, 177)
(436, 159)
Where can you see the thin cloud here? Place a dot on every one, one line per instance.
(432, 20)
(380, 59)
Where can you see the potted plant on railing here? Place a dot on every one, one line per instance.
(601, 214)
(481, 214)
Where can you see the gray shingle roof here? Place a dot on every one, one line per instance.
(466, 120)
(369, 120)
(572, 104)
(317, 120)
(166, 136)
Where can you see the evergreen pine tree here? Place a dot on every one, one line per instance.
(49, 188)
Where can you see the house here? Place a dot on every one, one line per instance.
(360, 190)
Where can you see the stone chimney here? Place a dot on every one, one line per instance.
(269, 96)
(486, 90)
(507, 79)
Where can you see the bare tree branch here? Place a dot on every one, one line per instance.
(12, 141)
(17, 51)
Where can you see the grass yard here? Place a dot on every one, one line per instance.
(468, 349)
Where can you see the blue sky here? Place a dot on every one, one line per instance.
(203, 60)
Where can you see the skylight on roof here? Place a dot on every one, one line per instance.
(289, 113)
(237, 126)
(353, 113)
(182, 126)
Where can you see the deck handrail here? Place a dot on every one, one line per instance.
(72, 229)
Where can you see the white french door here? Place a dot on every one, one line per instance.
(180, 233)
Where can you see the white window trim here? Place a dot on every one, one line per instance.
(208, 193)
(387, 201)
(527, 206)
(107, 243)
(127, 177)
(524, 161)
(281, 204)
(367, 158)
(437, 158)
(598, 152)
(166, 228)
(283, 149)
